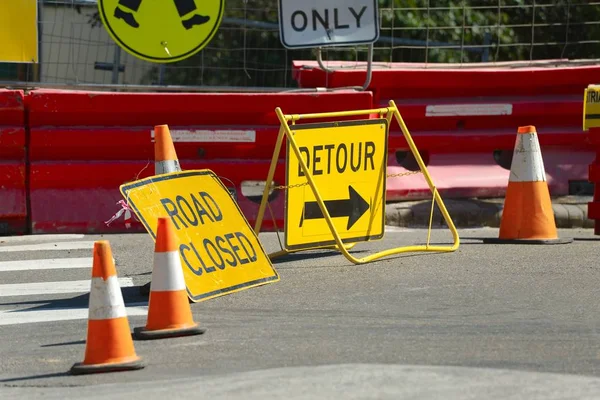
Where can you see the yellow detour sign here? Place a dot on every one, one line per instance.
(220, 253)
(347, 161)
(591, 107)
(19, 31)
(161, 30)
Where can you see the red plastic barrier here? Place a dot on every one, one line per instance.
(458, 116)
(13, 199)
(407, 80)
(84, 145)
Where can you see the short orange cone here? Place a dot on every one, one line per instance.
(528, 217)
(109, 346)
(165, 158)
(169, 312)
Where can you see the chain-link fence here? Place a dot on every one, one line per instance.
(246, 52)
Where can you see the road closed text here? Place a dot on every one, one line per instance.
(214, 252)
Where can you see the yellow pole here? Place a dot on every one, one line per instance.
(265, 197)
(390, 112)
(423, 168)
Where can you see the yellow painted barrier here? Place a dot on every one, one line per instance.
(591, 107)
(342, 185)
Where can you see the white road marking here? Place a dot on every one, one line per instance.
(35, 238)
(49, 263)
(25, 316)
(42, 288)
(83, 245)
(391, 228)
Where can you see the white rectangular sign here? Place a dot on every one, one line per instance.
(211, 136)
(316, 23)
(456, 110)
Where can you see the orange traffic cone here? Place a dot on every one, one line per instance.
(165, 161)
(165, 158)
(169, 312)
(528, 217)
(109, 346)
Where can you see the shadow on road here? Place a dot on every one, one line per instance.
(130, 295)
(63, 343)
(30, 377)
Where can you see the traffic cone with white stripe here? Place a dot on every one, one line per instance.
(528, 217)
(165, 158)
(165, 161)
(109, 346)
(169, 312)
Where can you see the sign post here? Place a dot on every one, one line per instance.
(327, 23)
(335, 182)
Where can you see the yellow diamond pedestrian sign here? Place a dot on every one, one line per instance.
(161, 31)
(219, 251)
(347, 161)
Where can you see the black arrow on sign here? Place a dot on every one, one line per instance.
(353, 207)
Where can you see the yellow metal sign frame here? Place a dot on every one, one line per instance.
(390, 113)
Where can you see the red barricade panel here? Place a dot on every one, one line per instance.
(459, 115)
(85, 145)
(13, 201)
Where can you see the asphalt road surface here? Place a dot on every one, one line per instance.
(487, 321)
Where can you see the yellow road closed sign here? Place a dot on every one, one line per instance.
(347, 161)
(591, 107)
(161, 30)
(220, 253)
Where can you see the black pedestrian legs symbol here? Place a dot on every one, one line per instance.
(184, 7)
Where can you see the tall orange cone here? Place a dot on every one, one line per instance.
(165, 158)
(165, 161)
(169, 312)
(109, 346)
(528, 217)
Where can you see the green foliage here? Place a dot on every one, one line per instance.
(469, 31)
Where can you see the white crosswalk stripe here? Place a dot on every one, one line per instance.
(42, 311)
(47, 246)
(20, 316)
(64, 287)
(51, 263)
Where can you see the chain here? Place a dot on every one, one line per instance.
(403, 174)
(290, 186)
(284, 187)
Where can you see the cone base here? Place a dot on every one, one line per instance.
(145, 291)
(527, 241)
(81, 368)
(145, 334)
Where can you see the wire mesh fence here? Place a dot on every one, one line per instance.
(75, 48)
